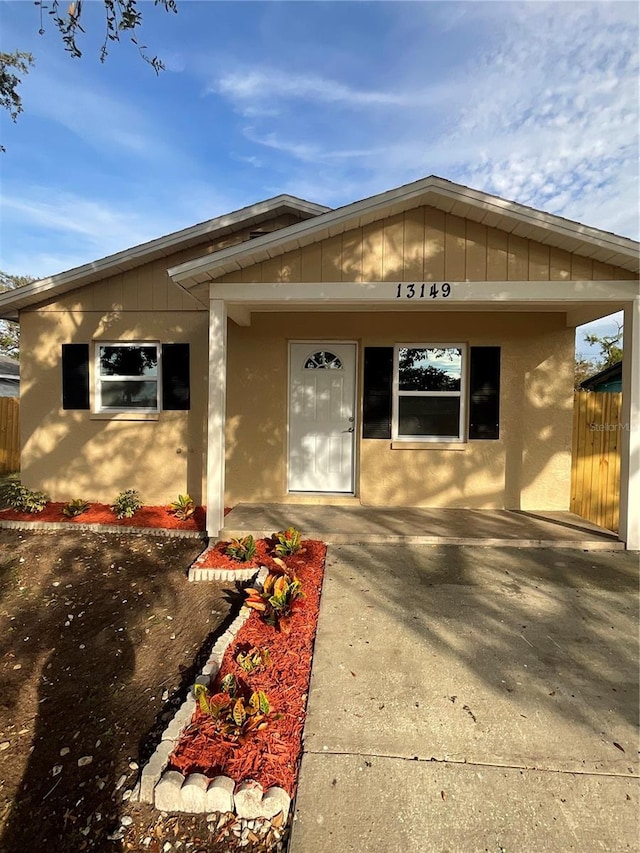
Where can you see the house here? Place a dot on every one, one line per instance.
(9, 376)
(609, 379)
(414, 348)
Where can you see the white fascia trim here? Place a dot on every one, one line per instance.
(531, 216)
(461, 293)
(13, 300)
(287, 238)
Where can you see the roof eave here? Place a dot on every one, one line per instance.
(602, 243)
(31, 294)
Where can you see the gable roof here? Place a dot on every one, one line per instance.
(255, 214)
(436, 192)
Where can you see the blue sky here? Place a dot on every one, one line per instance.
(536, 102)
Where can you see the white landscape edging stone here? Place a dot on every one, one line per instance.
(170, 791)
(56, 526)
(198, 572)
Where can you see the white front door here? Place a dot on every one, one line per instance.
(322, 417)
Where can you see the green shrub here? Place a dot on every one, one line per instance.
(22, 499)
(183, 508)
(75, 507)
(126, 504)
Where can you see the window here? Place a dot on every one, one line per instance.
(127, 377)
(323, 360)
(429, 392)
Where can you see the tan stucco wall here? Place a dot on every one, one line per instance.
(528, 467)
(425, 244)
(72, 454)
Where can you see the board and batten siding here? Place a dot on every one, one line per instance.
(425, 244)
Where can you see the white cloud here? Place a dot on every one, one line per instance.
(71, 214)
(252, 87)
(571, 119)
(83, 228)
(544, 113)
(309, 152)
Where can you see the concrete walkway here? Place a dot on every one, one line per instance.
(472, 699)
(350, 522)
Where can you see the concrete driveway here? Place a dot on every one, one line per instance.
(472, 699)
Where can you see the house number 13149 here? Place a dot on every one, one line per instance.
(423, 290)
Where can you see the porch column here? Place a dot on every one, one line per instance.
(630, 437)
(216, 416)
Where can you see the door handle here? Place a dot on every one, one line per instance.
(348, 430)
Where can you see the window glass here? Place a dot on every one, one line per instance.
(128, 360)
(428, 400)
(129, 395)
(323, 360)
(127, 377)
(429, 368)
(424, 416)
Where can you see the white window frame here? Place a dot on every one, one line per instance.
(99, 379)
(462, 394)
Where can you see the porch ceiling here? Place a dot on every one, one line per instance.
(580, 313)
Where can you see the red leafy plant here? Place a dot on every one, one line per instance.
(288, 541)
(279, 597)
(234, 715)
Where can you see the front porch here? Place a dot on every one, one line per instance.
(349, 524)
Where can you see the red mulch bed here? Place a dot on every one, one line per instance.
(148, 516)
(270, 756)
(215, 558)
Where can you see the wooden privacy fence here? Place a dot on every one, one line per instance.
(9, 434)
(595, 461)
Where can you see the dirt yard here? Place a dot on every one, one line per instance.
(100, 638)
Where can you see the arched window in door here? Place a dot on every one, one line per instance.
(323, 360)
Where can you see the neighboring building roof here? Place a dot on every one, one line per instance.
(611, 375)
(437, 192)
(9, 367)
(255, 214)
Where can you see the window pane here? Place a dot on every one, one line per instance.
(129, 395)
(323, 360)
(129, 361)
(436, 416)
(429, 368)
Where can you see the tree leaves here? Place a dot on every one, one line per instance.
(121, 17)
(9, 329)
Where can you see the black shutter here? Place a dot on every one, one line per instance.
(75, 376)
(176, 395)
(378, 375)
(484, 393)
